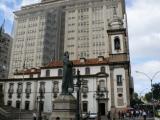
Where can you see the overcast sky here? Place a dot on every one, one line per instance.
(144, 36)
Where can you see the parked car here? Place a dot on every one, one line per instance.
(85, 115)
(92, 115)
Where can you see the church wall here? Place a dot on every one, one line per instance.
(92, 82)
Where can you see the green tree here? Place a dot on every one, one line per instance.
(156, 93)
(136, 100)
(148, 96)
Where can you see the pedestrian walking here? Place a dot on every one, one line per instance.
(109, 115)
(119, 115)
(144, 115)
(34, 116)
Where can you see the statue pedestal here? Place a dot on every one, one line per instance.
(64, 107)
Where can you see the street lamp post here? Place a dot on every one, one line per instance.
(98, 98)
(40, 104)
(78, 84)
(151, 79)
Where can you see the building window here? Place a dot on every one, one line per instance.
(9, 103)
(117, 43)
(19, 90)
(119, 80)
(55, 89)
(60, 72)
(28, 89)
(103, 69)
(47, 73)
(85, 88)
(102, 85)
(31, 75)
(18, 104)
(85, 106)
(10, 90)
(42, 89)
(27, 103)
(87, 71)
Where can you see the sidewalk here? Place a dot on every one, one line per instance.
(157, 118)
(139, 118)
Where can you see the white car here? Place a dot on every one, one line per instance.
(93, 115)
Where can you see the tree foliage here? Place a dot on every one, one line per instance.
(148, 96)
(136, 100)
(156, 93)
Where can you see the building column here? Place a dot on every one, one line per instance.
(127, 85)
(113, 109)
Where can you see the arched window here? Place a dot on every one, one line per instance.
(103, 69)
(117, 43)
(47, 73)
(60, 72)
(87, 71)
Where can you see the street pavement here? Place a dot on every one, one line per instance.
(140, 118)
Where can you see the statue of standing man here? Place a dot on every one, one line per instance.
(67, 81)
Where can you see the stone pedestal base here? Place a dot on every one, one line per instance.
(64, 107)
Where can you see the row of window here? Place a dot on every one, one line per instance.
(26, 104)
(87, 71)
(19, 90)
(55, 89)
(84, 45)
(98, 44)
(98, 52)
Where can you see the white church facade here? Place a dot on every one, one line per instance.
(112, 77)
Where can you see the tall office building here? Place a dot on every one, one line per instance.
(36, 36)
(45, 30)
(5, 45)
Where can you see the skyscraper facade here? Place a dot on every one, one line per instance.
(86, 25)
(43, 31)
(37, 38)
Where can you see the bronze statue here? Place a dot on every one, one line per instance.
(67, 81)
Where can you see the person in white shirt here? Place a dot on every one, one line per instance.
(144, 114)
(34, 116)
